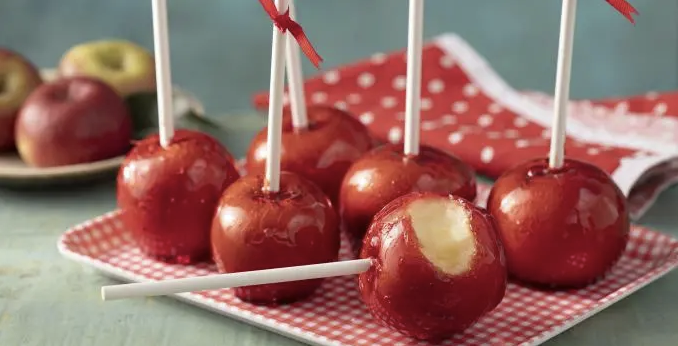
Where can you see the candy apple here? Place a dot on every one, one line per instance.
(168, 196)
(71, 121)
(126, 66)
(18, 78)
(385, 173)
(254, 230)
(560, 227)
(321, 153)
(438, 265)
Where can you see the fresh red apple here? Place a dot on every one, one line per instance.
(125, 66)
(438, 265)
(71, 121)
(385, 173)
(254, 230)
(168, 196)
(18, 78)
(560, 227)
(321, 153)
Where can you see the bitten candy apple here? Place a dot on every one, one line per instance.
(560, 227)
(254, 230)
(168, 196)
(385, 173)
(438, 265)
(322, 153)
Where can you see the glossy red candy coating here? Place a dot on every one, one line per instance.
(254, 230)
(321, 153)
(405, 291)
(385, 173)
(168, 196)
(562, 228)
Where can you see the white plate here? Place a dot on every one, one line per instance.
(14, 172)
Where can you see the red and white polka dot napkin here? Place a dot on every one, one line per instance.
(468, 110)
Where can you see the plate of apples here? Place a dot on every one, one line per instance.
(77, 121)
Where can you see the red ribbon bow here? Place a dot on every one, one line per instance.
(285, 23)
(624, 8)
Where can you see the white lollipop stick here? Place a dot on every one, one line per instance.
(295, 79)
(163, 72)
(413, 91)
(259, 277)
(275, 106)
(562, 92)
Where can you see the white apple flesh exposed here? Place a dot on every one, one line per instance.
(444, 233)
(439, 265)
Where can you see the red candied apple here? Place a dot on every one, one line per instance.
(321, 153)
(560, 227)
(168, 196)
(18, 78)
(438, 265)
(254, 230)
(71, 121)
(385, 173)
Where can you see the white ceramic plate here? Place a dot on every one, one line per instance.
(13, 171)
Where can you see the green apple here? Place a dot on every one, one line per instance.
(127, 67)
(18, 78)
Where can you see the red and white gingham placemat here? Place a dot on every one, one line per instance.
(335, 316)
(470, 111)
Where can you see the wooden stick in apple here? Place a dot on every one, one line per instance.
(413, 90)
(295, 78)
(532, 203)
(322, 141)
(275, 107)
(232, 280)
(443, 247)
(282, 23)
(292, 219)
(388, 172)
(163, 72)
(562, 92)
(318, 142)
(564, 71)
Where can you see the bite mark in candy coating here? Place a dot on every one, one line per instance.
(438, 265)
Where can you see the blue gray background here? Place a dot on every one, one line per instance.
(221, 49)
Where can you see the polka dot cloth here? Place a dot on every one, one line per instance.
(468, 110)
(335, 316)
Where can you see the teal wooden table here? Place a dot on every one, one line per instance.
(47, 300)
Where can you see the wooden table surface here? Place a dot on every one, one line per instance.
(47, 300)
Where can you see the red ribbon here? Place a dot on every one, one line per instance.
(284, 23)
(624, 8)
